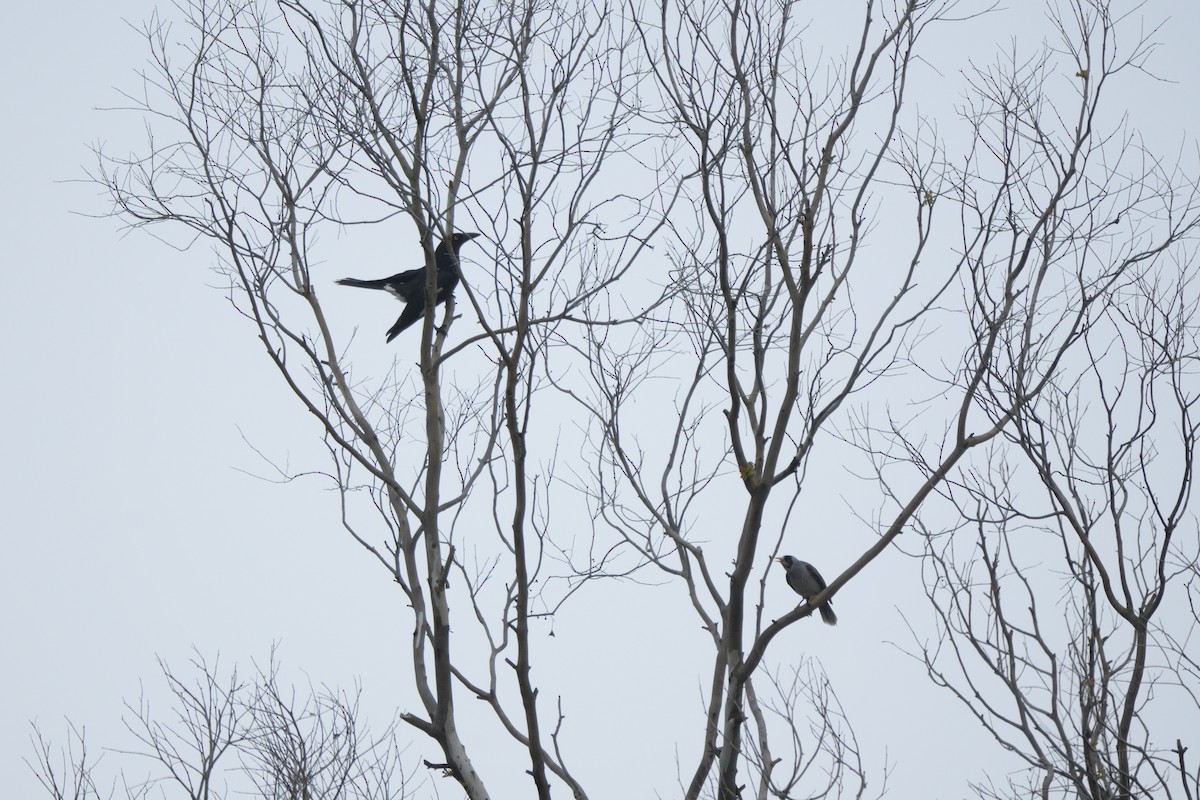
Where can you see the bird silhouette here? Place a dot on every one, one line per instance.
(808, 583)
(409, 286)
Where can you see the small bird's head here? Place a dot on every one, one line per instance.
(787, 561)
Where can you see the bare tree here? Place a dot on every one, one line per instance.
(788, 317)
(1059, 601)
(1074, 599)
(680, 201)
(791, 319)
(224, 736)
(290, 118)
(65, 773)
(766, 271)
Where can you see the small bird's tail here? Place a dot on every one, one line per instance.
(381, 283)
(827, 615)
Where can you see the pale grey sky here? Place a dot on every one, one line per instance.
(134, 527)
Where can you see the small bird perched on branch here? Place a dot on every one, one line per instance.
(409, 286)
(808, 583)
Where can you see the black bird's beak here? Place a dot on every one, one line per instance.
(778, 559)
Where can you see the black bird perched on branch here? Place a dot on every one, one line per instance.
(808, 583)
(409, 286)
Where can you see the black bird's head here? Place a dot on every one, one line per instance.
(787, 561)
(457, 240)
(446, 255)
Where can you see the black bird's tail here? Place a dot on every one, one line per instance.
(381, 283)
(827, 614)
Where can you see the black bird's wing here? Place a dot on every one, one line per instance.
(411, 313)
(412, 289)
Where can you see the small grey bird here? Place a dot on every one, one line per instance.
(808, 583)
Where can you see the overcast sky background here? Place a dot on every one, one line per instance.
(137, 520)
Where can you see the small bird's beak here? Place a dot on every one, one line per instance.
(469, 236)
(779, 559)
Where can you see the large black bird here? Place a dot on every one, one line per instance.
(409, 286)
(808, 583)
